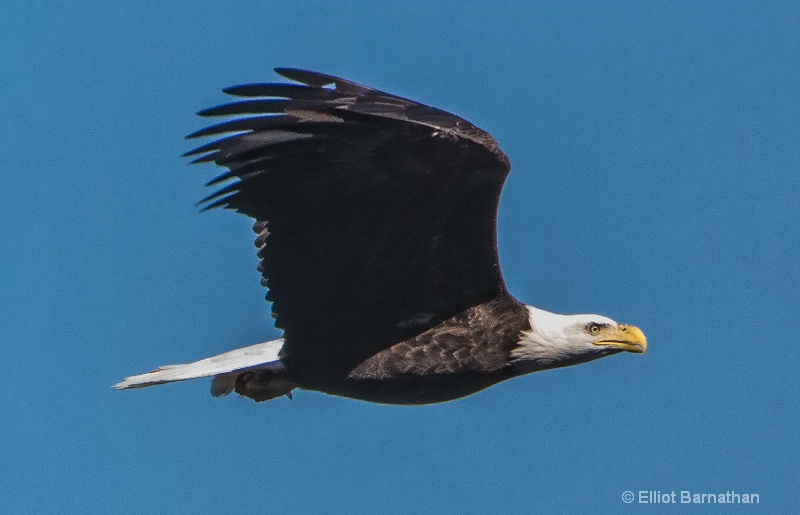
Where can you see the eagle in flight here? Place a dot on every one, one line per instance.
(375, 221)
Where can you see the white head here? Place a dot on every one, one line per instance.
(560, 340)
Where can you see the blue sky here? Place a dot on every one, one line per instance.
(655, 150)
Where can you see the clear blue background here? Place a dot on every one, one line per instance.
(655, 149)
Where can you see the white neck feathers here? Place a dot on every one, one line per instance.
(552, 339)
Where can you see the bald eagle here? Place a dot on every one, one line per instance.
(375, 219)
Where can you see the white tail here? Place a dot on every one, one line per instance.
(260, 356)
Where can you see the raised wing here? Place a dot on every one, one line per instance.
(375, 214)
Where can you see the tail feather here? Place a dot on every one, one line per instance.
(261, 356)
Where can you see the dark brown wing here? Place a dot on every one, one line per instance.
(376, 214)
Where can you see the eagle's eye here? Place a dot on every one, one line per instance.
(593, 328)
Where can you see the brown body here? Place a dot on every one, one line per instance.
(458, 357)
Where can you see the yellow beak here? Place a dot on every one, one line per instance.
(625, 337)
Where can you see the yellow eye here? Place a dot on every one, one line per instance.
(593, 329)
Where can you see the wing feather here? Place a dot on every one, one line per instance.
(375, 214)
